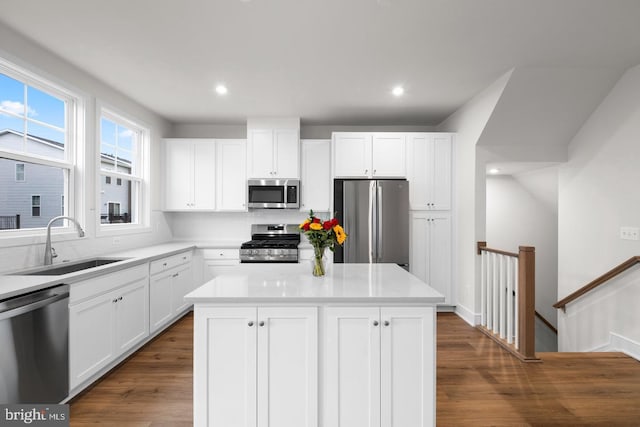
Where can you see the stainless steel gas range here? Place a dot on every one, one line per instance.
(271, 243)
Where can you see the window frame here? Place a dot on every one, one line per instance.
(141, 200)
(39, 205)
(24, 173)
(71, 163)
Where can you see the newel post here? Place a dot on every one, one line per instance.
(527, 301)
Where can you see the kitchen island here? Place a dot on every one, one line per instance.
(275, 346)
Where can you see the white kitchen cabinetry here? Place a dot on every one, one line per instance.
(431, 250)
(190, 174)
(108, 315)
(369, 155)
(429, 170)
(273, 153)
(261, 365)
(231, 178)
(171, 279)
(316, 175)
(380, 366)
(219, 261)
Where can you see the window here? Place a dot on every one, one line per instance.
(123, 144)
(37, 139)
(35, 205)
(19, 172)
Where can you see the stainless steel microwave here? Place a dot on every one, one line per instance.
(273, 193)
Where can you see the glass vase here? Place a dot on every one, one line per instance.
(318, 262)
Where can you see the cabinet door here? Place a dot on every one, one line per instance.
(351, 155)
(420, 226)
(178, 174)
(204, 175)
(286, 143)
(225, 349)
(352, 367)
(160, 310)
(419, 170)
(260, 154)
(182, 284)
(408, 366)
(91, 337)
(441, 189)
(316, 175)
(439, 254)
(231, 182)
(388, 155)
(132, 320)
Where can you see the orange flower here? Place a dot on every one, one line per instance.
(315, 226)
(341, 236)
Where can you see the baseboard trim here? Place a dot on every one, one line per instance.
(622, 344)
(467, 315)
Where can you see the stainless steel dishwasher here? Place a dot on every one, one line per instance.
(34, 347)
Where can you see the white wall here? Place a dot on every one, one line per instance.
(598, 193)
(16, 254)
(469, 199)
(517, 216)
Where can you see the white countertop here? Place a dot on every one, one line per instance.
(352, 283)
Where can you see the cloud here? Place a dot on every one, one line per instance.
(16, 107)
(126, 133)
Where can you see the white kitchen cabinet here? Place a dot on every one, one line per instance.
(190, 174)
(108, 315)
(171, 279)
(219, 261)
(260, 364)
(316, 175)
(273, 153)
(369, 155)
(380, 366)
(429, 170)
(231, 175)
(431, 250)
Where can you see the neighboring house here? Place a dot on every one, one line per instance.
(30, 194)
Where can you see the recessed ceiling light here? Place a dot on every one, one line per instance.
(397, 91)
(494, 171)
(221, 90)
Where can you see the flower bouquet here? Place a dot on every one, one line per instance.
(322, 235)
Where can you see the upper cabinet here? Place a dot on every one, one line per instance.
(369, 155)
(429, 171)
(190, 174)
(316, 175)
(273, 153)
(205, 175)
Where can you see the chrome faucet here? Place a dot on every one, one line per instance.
(48, 250)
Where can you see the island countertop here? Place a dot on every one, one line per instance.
(294, 283)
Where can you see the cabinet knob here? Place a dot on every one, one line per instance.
(261, 323)
(366, 171)
(374, 171)
(386, 323)
(375, 323)
(120, 299)
(250, 323)
(115, 300)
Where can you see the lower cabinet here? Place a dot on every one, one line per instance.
(171, 279)
(261, 366)
(104, 325)
(379, 369)
(219, 261)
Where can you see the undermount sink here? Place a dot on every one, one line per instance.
(69, 267)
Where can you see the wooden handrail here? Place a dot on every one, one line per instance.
(482, 246)
(597, 282)
(546, 322)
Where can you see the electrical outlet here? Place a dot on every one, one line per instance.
(629, 233)
(116, 240)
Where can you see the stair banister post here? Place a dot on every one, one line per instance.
(527, 301)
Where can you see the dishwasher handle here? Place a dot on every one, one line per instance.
(17, 311)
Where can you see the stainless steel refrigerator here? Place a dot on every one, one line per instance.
(375, 215)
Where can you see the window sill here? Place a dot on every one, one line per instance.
(37, 236)
(121, 229)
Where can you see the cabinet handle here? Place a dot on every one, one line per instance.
(164, 264)
(120, 299)
(176, 275)
(261, 323)
(250, 323)
(386, 323)
(375, 323)
(115, 300)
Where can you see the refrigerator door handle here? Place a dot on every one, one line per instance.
(372, 248)
(379, 254)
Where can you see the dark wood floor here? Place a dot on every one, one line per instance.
(479, 384)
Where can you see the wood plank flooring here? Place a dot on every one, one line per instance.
(479, 384)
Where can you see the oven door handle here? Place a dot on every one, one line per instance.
(17, 311)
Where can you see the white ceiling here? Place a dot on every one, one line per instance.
(325, 61)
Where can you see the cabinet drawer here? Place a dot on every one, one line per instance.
(102, 284)
(225, 253)
(168, 263)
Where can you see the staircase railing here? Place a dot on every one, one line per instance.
(508, 299)
(621, 268)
